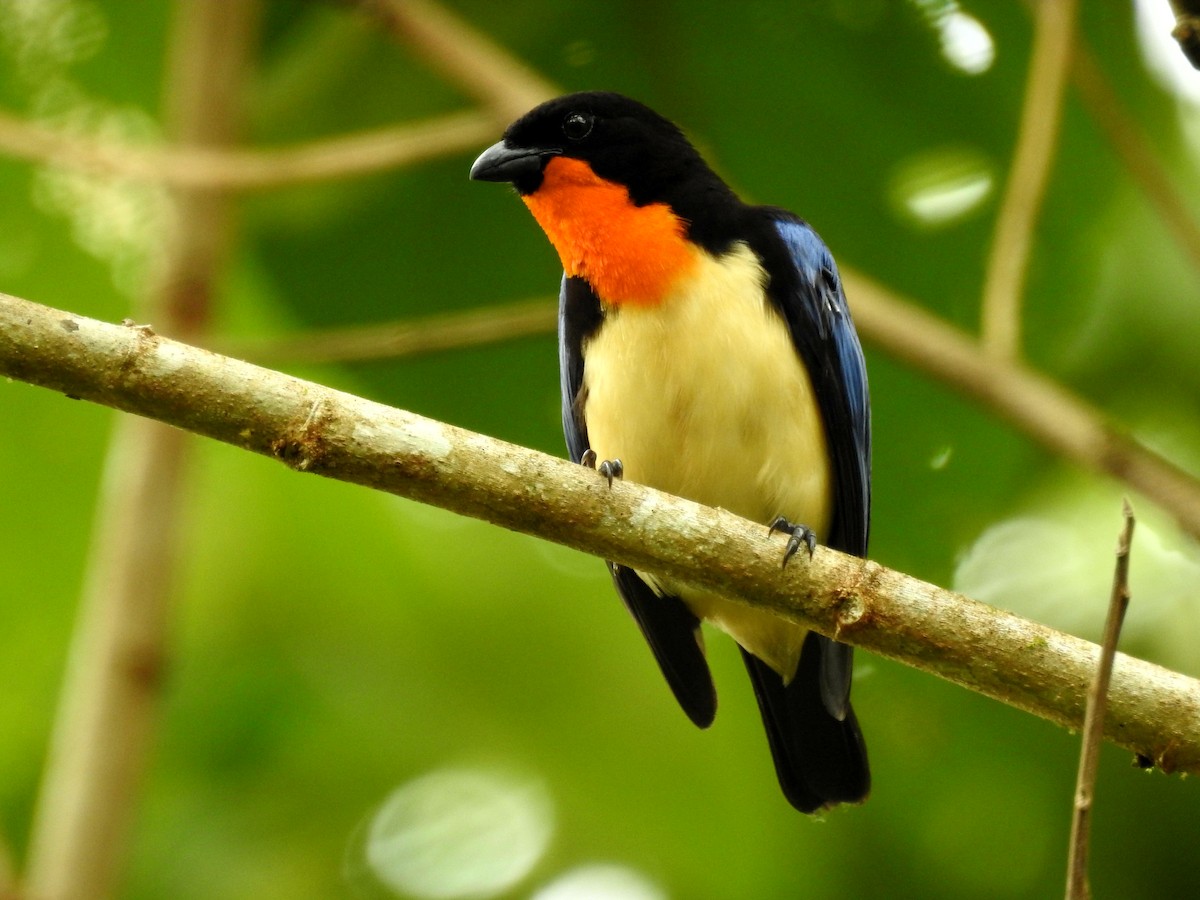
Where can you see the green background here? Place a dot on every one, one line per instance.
(331, 644)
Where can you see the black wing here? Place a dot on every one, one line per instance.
(820, 760)
(670, 628)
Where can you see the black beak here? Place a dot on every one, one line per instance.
(500, 162)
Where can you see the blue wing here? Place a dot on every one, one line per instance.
(670, 628)
(819, 753)
(807, 291)
(815, 309)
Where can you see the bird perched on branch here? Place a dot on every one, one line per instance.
(706, 349)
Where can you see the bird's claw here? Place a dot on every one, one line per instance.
(798, 534)
(608, 468)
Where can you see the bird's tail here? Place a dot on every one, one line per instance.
(821, 760)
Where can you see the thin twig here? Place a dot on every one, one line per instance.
(449, 331)
(246, 170)
(105, 723)
(1093, 722)
(463, 55)
(1153, 712)
(1004, 281)
(1129, 141)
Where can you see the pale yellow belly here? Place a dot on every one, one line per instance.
(704, 396)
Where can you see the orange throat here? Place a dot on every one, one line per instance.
(627, 253)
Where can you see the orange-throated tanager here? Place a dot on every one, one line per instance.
(706, 349)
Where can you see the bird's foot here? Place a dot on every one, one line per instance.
(608, 468)
(799, 534)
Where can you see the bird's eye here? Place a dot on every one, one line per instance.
(578, 125)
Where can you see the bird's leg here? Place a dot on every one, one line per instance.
(800, 534)
(609, 468)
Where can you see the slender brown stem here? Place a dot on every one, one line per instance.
(449, 331)
(219, 168)
(1093, 722)
(1004, 281)
(106, 719)
(1129, 142)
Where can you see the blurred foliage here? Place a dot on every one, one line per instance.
(332, 645)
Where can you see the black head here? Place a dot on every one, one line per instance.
(622, 140)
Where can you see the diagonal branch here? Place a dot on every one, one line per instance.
(1152, 711)
(1131, 145)
(1031, 401)
(463, 55)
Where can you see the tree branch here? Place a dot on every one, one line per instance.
(1153, 712)
(1054, 25)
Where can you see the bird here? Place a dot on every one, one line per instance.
(706, 349)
